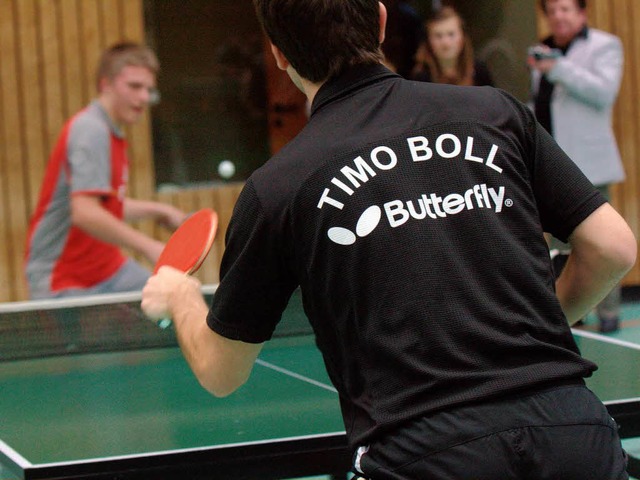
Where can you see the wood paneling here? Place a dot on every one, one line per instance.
(13, 157)
(48, 55)
(53, 98)
(620, 17)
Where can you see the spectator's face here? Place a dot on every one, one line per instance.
(446, 39)
(565, 20)
(128, 93)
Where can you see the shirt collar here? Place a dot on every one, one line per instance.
(350, 80)
(117, 131)
(583, 33)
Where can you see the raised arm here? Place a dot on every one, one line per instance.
(597, 85)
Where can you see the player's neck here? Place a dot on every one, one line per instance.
(109, 109)
(310, 89)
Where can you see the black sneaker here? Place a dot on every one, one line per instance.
(608, 325)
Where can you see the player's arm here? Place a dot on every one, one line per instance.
(221, 365)
(603, 250)
(163, 213)
(88, 214)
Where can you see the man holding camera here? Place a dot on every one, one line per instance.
(576, 74)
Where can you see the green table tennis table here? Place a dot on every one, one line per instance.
(140, 413)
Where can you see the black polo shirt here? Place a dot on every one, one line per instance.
(412, 216)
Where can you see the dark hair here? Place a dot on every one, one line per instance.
(465, 64)
(123, 54)
(582, 4)
(320, 38)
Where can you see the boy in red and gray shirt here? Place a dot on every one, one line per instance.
(78, 228)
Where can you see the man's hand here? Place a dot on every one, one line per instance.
(544, 60)
(545, 65)
(171, 217)
(169, 291)
(220, 364)
(162, 213)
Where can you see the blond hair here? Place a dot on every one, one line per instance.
(124, 54)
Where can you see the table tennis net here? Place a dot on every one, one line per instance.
(100, 323)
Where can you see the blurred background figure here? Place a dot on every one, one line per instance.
(446, 56)
(575, 78)
(404, 34)
(79, 228)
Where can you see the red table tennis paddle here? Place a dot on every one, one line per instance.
(189, 245)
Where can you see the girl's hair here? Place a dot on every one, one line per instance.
(464, 66)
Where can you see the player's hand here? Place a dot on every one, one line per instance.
(167, 291)
(172, 217)
(544, 65)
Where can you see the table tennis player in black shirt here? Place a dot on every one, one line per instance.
(411, 215)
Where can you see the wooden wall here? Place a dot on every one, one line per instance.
(48, 51)
(622, 17)
(48, 54)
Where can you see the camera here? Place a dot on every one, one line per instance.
(540, 53)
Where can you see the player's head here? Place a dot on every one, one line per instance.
(123, 54)
(126, 77)
(320, 38)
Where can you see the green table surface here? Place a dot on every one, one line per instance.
(78, 407)
(111, 404)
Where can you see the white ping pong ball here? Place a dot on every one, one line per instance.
(226, 169)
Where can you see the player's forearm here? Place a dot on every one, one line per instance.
(163, 213)
(211, 358)
(603, 250)
(89, 216)
(221, 365)
(581, 287)
(139, 209)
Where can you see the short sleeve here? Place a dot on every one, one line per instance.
(89, 156)
(256, 280)
(564, 195)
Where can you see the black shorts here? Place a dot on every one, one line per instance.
(561, 433)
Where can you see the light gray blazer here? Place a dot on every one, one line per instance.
(587, 80)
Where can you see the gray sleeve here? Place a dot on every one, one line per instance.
(89, 156)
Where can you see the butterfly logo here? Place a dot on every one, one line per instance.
(367, 223)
